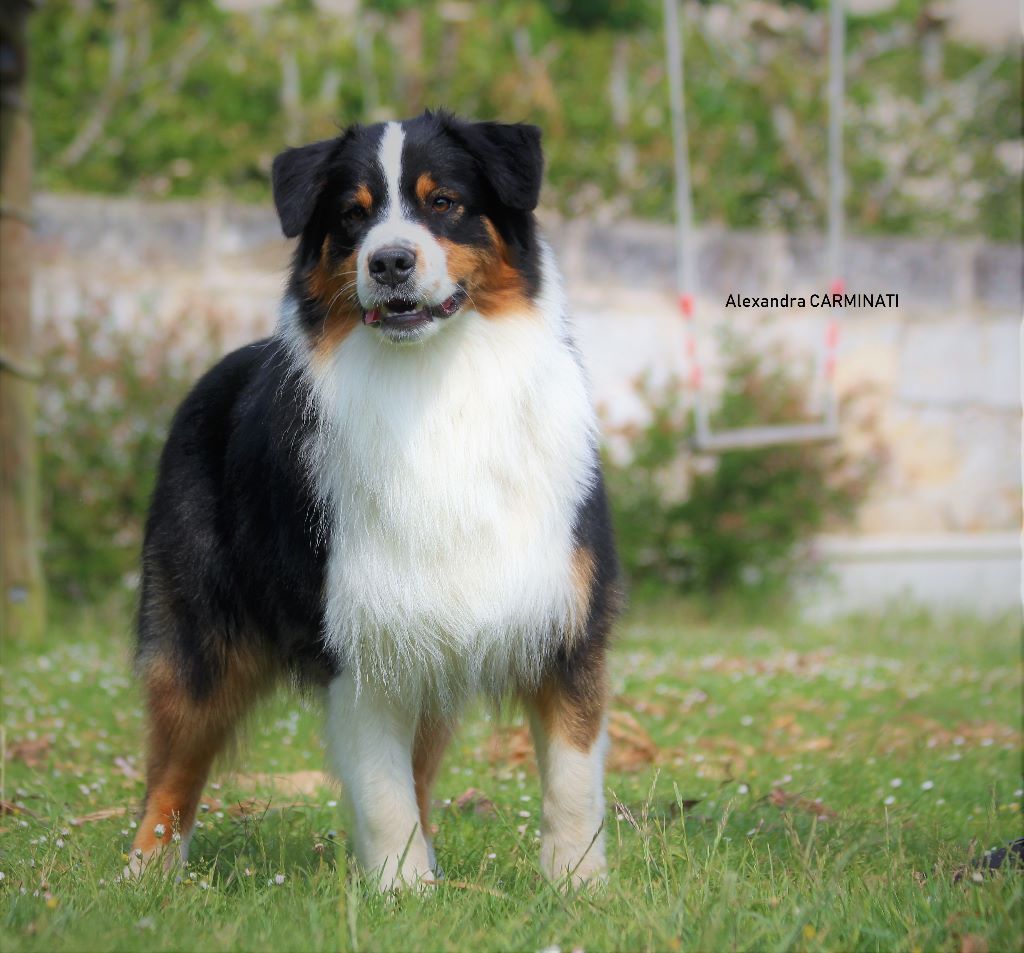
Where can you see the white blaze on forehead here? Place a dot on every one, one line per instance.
(389, 158)
(397, 227)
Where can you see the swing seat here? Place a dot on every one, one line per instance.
(753, 438)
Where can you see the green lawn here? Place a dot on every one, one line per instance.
(773, 786)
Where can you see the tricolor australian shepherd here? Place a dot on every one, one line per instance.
(397, 497)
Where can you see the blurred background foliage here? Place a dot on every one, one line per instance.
(176, 98)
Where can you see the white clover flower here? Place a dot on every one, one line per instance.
(278, 879)
(895, 782)
(927, 785)
(159, 830)
(889, 800)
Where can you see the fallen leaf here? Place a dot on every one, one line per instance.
(9, 807)
(257, 807)
(785, 800)
(296, 783)
(32, 751)
(100, 815)
(816, 744)
(510, 745)
(632, 748)
(474, 799)
(464, 885)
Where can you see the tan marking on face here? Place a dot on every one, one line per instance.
(574, 717)
(494, 286)
(333, 285)
(185, 735)
(363, 197)
(425, 185)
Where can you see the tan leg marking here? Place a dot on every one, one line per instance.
(432, 737)
(583, 570)
(569, 736)
(185, 736)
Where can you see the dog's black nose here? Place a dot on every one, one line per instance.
(392, 265)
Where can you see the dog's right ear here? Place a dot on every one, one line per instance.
(298, 178)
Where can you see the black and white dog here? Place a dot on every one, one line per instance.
(398, 497)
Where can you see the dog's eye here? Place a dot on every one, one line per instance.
(354, 214)
(442, 204)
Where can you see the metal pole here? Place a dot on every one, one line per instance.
(836, 183)
(686, 266)
(836, 189)
(685, 272)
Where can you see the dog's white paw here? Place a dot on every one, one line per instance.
(575, 864)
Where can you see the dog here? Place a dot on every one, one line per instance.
(396, 499)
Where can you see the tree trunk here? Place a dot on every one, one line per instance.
(22, 604)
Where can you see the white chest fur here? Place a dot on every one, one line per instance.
(451, 475)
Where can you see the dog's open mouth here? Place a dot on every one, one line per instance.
(405, 314)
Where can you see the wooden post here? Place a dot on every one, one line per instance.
(22, 600)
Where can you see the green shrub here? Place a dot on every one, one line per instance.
(105, 404)
(166, 98)
(740, 521)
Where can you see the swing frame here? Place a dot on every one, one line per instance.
(706, 439)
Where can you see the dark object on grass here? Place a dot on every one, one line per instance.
(1011, 856)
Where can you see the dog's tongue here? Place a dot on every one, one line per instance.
(372, 316)
(450, 305)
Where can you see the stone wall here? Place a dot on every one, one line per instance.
(943, 369)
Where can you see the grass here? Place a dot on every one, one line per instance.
(778, 786)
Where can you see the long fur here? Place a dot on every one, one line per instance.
(398, 497)
(450, 477)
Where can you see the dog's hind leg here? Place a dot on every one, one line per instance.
(186, 733)
(432, 736)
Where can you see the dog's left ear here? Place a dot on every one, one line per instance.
(298, 179)
(510, 157)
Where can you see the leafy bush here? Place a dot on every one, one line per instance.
(161, 97)
(740, 521)
(105, 405)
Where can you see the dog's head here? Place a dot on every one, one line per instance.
(403, 225)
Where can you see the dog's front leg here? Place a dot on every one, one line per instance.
(371, 739)
(568, 725)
